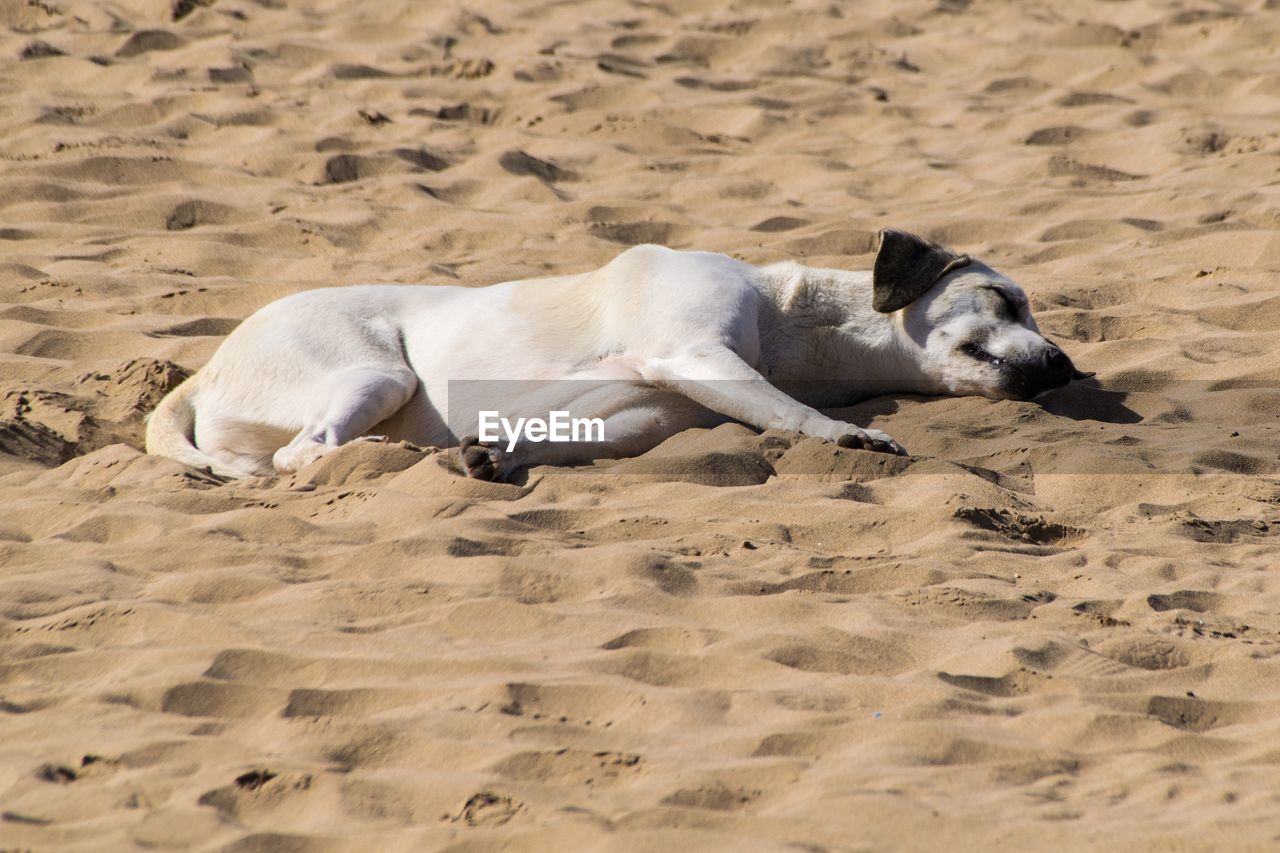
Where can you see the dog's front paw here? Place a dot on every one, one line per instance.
(871, 439)
(481, 461)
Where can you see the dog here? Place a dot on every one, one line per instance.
(655, 342)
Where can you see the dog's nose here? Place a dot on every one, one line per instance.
(1052, 369)
(1056, 363)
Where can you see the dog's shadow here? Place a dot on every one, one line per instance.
(1083, 400)
(1089, 401)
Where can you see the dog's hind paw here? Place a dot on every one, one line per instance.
(873, 440)
(288, 460)
(480, 461)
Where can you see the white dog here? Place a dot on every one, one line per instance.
(655, 342)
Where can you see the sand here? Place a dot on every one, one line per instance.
(1056, 626)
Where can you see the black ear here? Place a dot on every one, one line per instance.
(907, 266)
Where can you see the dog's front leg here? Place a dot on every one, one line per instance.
(720, 380)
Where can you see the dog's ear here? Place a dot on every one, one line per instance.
(907, 266)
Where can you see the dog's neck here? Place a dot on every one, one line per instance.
(822, 342)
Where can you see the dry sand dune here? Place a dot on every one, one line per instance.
(1055, 626)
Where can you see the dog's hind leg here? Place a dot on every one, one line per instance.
(350, 403)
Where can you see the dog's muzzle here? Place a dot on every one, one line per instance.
(1051, 369)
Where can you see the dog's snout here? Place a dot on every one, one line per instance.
(1049, 369)
(1056, 362)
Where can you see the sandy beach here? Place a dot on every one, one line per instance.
(1055, 626)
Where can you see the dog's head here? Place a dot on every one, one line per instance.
(973, 325)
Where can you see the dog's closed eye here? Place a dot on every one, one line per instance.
(974, 351)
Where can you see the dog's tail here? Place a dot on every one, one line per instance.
(171, 432)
